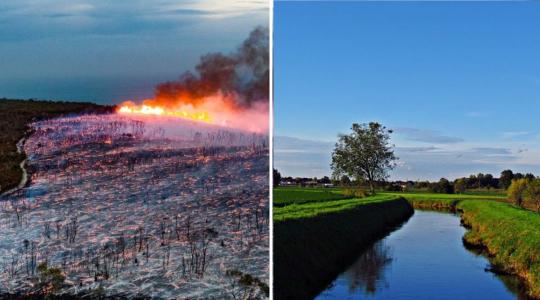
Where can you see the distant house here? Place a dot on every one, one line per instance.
(310, 183)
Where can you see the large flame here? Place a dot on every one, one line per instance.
(217, 109)
(129, 107)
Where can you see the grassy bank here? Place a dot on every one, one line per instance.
(14, 118)
(314, 241)
(433, 201)
(509, 234)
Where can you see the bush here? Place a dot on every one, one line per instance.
(516, 190)
(50, 279)
(355, 192)
(532, 194)
(442, 187)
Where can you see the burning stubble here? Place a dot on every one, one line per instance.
(135, 208)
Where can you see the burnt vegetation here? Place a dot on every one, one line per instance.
(111, 201)
(15, 115)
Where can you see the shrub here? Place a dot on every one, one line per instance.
(355, 192)
(50, 279)
(532, 193)
(516, 190)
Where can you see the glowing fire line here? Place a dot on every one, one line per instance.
(159, 111)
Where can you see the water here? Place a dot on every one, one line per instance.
(424, 259)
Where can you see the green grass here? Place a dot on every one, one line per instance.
(294, 203)
(287, 196)
(308, 210)
(443, 201)
(510, 234)
(435, 196)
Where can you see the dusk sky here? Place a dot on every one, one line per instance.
(110, 51)
(459, 82)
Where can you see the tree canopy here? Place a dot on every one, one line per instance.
(365, 154)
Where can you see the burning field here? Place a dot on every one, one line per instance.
(166, 198)
(138, 206)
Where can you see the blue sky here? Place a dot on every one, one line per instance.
(459, 82)
(107, 51)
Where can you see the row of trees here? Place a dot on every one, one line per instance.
(488, 181)
(302, 181)
(460, 185)
(479, 181)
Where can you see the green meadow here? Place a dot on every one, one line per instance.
(286, 196)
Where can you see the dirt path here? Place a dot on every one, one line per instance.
(22, 165)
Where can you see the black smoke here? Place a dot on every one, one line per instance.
(242, 76)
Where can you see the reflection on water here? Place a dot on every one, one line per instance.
(424, 259)
(367, 271)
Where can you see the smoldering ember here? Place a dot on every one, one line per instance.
(138, 206)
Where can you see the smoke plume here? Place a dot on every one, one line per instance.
(240, 78)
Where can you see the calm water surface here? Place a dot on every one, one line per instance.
(424, 259)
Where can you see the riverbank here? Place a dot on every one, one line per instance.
(309, 234)
(15, 115)
(508, 234)
(312, 247)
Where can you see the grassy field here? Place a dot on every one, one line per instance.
(510, 235)
(312, 209)
(286, 196)
(14, 117)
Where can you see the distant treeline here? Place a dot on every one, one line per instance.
(478, 181)
(15, 115)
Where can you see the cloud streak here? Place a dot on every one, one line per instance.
(30, 19)
(303, 157)
(427, 136)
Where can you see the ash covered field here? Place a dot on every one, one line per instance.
(138, 207)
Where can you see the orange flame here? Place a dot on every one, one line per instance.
(130, 108)
(217, 109)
